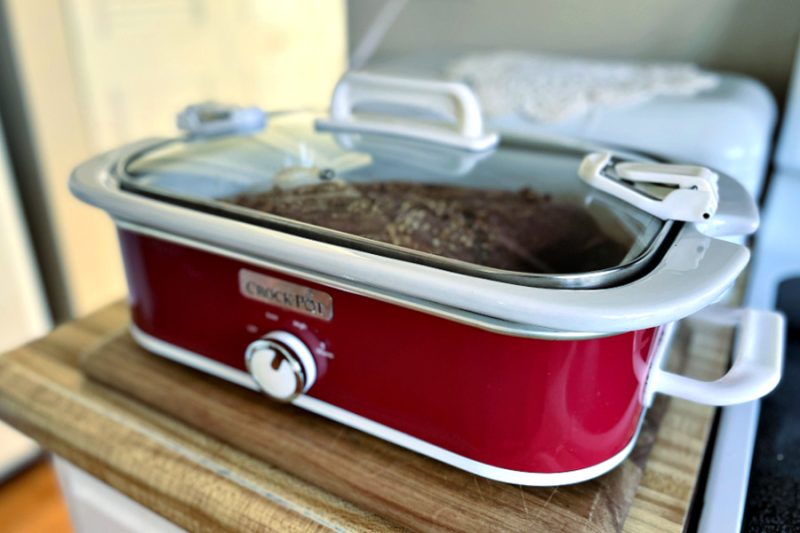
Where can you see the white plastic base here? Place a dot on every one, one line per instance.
(371, 427)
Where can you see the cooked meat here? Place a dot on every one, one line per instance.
(511, 230)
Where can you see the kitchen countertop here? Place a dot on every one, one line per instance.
(215, 456)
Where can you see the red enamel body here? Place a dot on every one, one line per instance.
(524, 404)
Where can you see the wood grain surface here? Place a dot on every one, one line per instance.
(211, 456)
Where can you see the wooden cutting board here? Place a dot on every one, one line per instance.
(226, 458)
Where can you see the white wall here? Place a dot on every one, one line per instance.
(23, 314)
(755, 37)
(96, 74)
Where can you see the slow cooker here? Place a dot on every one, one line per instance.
(246, 259)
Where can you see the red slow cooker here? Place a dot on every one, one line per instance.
(252, 253)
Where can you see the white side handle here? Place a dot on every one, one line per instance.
(455, 102)
(757, 362)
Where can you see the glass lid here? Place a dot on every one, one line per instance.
(518, 213)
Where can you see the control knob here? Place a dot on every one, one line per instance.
(281, 365)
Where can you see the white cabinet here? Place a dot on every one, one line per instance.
(95, 506)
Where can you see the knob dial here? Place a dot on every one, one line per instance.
(281, 365)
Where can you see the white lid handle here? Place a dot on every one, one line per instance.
(757, 360)
(455, 101)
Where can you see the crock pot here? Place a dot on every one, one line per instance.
(536, 376)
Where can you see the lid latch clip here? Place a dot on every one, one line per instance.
(684, 192)
(210, 119)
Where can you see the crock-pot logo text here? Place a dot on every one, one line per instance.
(286, 295)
